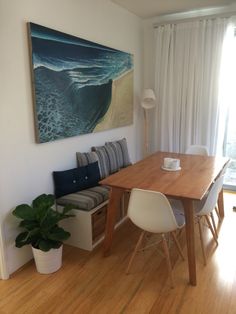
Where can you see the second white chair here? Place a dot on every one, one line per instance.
(152, 212)
(203, 209)
(203, 151)
(197, 150)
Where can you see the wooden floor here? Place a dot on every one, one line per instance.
(90, 283)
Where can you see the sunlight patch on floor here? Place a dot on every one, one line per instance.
(225, 255)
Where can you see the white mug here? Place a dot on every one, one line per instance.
(175, 164)
(171, 163)
(167, 162)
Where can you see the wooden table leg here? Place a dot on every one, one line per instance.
(113, 206)
(189, 219)
(221, 204)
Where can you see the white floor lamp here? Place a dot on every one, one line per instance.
(148, 102)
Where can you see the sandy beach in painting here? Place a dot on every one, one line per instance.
(120, 112)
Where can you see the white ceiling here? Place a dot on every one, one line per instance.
(152, 8)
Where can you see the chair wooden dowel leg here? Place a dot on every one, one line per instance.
(135, 251)
(201, 238)
(214, 224)
(217, 212)
(177, 245)
(180, 232)
(167, 255)
(210, 226)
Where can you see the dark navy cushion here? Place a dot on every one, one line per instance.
(93, 174)
(77, 179)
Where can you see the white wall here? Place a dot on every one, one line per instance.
(26, 167)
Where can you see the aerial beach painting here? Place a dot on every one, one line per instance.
(79, 86)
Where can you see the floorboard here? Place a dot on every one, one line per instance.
(90, 283)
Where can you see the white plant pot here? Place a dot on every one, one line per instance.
(48, 262)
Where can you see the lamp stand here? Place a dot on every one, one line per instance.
(148, 102)
(146, 133)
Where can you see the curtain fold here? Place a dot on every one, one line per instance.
(227, 92)
(187, 65)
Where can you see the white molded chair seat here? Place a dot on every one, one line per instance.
(197, 150)
(152, 212)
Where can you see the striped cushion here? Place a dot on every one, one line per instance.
(121, 151)
(103, 160)
(108, 155)
(86, 199)
(83, 159)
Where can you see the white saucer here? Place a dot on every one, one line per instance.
(169, 169)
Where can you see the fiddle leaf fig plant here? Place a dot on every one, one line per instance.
(40, 224)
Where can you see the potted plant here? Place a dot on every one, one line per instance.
(42, 231)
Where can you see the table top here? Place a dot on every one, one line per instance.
(192, 181)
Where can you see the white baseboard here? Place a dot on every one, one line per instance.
(4, 272)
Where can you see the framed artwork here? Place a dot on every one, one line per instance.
(79, 86)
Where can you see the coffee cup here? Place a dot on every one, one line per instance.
(175, 164)
(167, 162)
(171, 163)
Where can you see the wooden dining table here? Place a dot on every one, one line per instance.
(188, 184)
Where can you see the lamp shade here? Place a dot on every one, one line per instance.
(148, 99)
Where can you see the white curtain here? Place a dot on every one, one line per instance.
(187, 64)
(227, 93)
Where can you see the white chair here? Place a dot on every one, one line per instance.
(151, 211)
(222, 174)
(202, 150)
(204, 209)
(197, 150)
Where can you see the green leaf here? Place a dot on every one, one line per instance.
(24, 211)
(50, 219)
(56, 244)
(43, 201)
(46, 245)
(58, 234)
(22, 239)
(29, 224)
(35, 233)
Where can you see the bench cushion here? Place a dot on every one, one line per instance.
(86, 199)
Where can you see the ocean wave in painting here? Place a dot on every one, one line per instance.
(73, 82)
